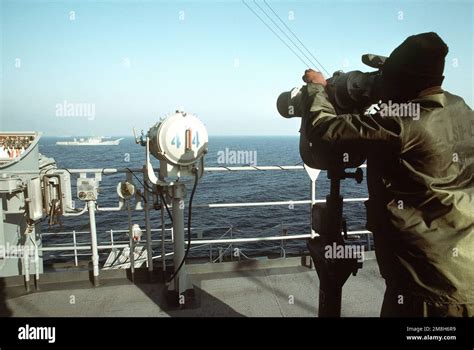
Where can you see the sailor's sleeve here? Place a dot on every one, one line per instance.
(360, 132)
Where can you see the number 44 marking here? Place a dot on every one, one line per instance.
(175, 141)
(196, 139)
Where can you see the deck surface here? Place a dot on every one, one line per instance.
(275, 288)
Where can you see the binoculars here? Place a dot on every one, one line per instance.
(349, 93)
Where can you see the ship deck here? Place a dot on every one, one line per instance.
(272, 287)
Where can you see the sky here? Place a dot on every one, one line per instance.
(103, 67)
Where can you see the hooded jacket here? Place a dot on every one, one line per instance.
(420, 176)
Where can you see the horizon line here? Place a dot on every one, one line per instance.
(130, 136)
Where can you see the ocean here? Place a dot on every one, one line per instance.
(213, 187)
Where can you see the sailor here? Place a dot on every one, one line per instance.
(420, 175)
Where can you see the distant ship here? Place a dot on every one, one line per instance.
(90, 141)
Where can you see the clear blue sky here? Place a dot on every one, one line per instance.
(191, 62)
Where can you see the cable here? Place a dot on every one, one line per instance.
(284, 33)
(190, 206)
(141, 196)
(320, 64)
(166, 206)
(141, 183)
(138, 179)
(275, 33)
(135, 176)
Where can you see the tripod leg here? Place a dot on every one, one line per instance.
(330, 296)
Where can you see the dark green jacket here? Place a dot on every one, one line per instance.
(420, 176)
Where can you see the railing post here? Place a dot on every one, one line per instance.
(163, 237)
(131, 242)
(149, 242)
(281, 242)
(112, 237)
(95, 252)
(26, 263)
(37, 267)
(76, 263)
(284, 232)
(231, 246)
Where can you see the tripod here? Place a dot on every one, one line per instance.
(328, 222)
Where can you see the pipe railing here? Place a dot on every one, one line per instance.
(76, 247)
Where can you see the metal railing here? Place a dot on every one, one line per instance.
(86, 249)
